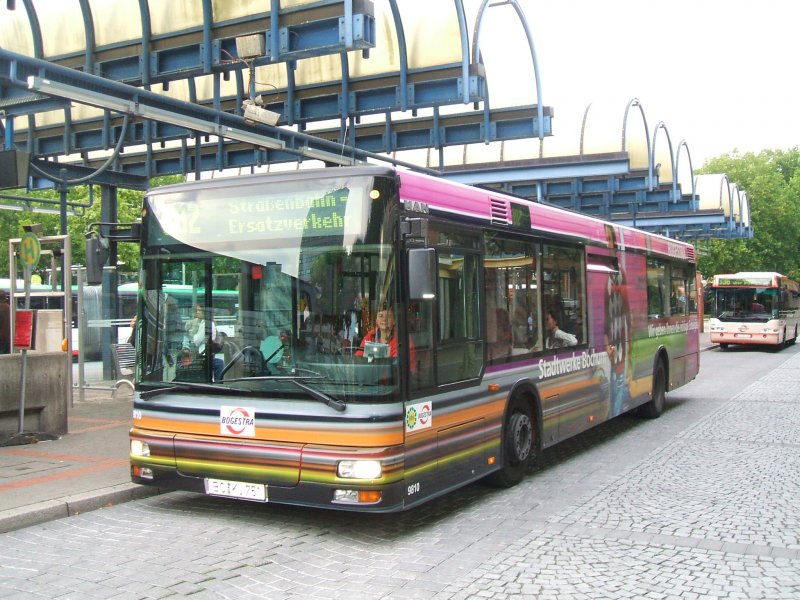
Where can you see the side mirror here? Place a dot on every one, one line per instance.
(421, 274)
(96, 257)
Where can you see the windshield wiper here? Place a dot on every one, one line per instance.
(185, 386)
(334, 403)
(321, 396)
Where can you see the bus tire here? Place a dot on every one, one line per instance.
(723, 346)
(518, 444)
(794, 339)
(655, 407)
(783, 343)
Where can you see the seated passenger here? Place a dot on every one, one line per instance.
(557, 338)
(196, 338)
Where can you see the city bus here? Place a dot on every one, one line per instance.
(508, 326)
(754, 308)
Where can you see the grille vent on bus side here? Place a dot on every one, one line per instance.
(500, 211)
(690, 253)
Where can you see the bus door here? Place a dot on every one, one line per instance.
(445, 330)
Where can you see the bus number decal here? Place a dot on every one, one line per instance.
(413, 488)
(137, 414)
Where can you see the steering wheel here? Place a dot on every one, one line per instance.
(254, 355)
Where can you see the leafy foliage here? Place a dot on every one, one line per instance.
(772, 181)
(86, 204)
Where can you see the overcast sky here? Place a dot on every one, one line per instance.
(721, 74)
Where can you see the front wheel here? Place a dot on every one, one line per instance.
(519, 445)
(654, 408)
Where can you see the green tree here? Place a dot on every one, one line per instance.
(86, 209)
(772, 181)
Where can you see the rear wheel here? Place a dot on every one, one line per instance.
(723, 346)
(519, 445)
(654, 408)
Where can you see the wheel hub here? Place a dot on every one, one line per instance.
(521, 436)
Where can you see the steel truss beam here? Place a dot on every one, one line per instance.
(324, 27)
(603, 186)
(165, 119)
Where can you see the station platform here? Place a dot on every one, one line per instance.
(85, 469)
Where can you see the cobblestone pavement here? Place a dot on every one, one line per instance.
(713, 514)
(702, 503)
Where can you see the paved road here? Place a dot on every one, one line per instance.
(702, 503)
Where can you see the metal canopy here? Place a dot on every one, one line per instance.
(149, 87)
(311, 62)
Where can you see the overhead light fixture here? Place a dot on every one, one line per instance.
(328, 157)
(70, 92)
(253, 138)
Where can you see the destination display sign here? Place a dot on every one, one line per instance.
(290, 215)
(744, 282)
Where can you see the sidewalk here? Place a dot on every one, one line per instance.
(83, 470)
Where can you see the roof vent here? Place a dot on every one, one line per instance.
(500, 212)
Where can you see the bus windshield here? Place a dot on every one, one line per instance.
(270, 288)
(747, 304)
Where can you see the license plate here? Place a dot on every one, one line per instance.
(742, 335)
(236, 489)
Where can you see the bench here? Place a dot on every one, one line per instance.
(124, 356)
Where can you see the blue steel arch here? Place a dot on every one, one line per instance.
(147, 33)
(681, 146)
(636, 103)
(36, 28)
(661, 126)
(476, 58)
(462, 30)
(88, 32)
(403, 53)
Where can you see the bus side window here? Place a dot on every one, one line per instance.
(657, 294)
(564, 289)
(459, 354)
(512, 305)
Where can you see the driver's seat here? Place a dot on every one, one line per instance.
(229, 350)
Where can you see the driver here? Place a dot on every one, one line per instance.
(384, 332)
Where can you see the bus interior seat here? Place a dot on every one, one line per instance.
(501, 346)
(272, 348)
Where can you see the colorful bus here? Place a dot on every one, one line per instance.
(508, 326)
(756, 308)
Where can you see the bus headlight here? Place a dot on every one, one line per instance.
(139, 448)
(359, 469)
